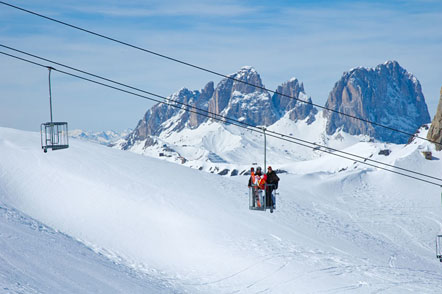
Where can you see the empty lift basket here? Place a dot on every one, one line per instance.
(438, 247)
(54, 135)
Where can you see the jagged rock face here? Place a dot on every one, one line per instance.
(231, 98)
(243, 102)
(435, 131)
(202, 103)
(163, 117)
(387, 95)
(298, 110)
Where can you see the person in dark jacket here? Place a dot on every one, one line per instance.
(272, 184)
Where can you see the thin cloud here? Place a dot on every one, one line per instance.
(196, 9)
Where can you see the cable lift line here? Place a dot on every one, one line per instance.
(212, 71)
(223, 119)
(203, 112)
(54, 135)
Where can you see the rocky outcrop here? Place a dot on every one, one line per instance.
(297, 109)
(201, 103)
(435, 131)
(387, 95)
(241, 101)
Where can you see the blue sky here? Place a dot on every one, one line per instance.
(314, 41)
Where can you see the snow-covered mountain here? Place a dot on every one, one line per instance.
(339, 226)
(228, 150)
(230, 98)
(387, 95)
(200, 142)
(243, 102)
(103, 137)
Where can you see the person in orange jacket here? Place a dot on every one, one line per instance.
(252, 177)
(257, 181)
(260, 179)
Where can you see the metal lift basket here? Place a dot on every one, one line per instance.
(257, 199)
(438, 247)
(54, 135)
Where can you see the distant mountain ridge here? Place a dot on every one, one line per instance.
(231, 98)
(386, 94)
(103, 137)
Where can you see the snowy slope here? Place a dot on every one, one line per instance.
(216, 145)
(36, 259)
(335, 230)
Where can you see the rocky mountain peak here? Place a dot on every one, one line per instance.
(435, 131)
(387, 94)
(289, 97)
(391, 65)
(239, 100)
(208, 89)
(183, 95)
(250, 80)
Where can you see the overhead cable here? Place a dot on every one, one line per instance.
(190, 108)
(214, 72)
(212, 114)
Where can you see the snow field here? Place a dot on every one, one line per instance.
(359, 229)
(36, 259)
(239, 147)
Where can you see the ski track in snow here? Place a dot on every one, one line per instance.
(181, 230)
(36, 259)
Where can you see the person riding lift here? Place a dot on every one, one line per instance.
(272, 184)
